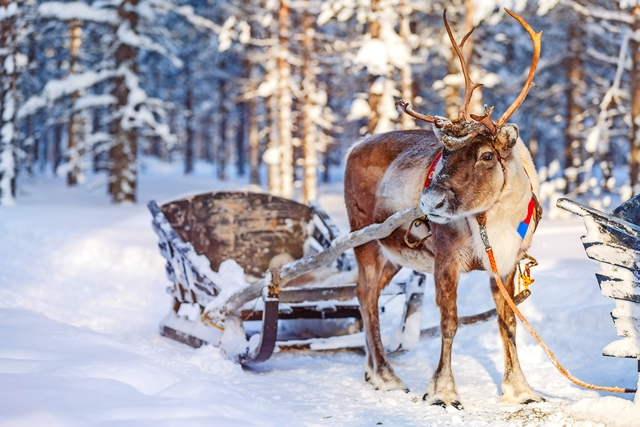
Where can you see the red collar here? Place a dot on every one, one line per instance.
(432, 168)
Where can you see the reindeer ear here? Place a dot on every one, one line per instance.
(439, 133)
(506, 138)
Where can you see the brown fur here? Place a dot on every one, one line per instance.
(385, 173)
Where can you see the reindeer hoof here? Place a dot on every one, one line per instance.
(438, 402)
(386, 380)
(521, 394)
(406, 390)
(367, 377)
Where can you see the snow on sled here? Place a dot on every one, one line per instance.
(614, 241)
(219, 244)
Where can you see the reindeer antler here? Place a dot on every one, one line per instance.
(486, 120)
(461, 129)
(469, 86)
(535, 38)
(410, 111)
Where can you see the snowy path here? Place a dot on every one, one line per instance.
(82, 292)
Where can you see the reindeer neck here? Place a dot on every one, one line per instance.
(503, 218)
(515, 195)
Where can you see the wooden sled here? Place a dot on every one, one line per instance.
(259, 231)
(614, 240)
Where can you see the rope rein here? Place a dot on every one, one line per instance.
(482, 220)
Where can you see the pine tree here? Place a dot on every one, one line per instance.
(74, 152)
(285, 101)
(574, 139)
(309, 131)
(406, 83)
(8, 100)
(124, 152)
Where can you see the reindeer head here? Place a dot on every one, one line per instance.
(475, 148)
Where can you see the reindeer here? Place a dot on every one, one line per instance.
(466, 170)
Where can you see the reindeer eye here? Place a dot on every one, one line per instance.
(488, 156)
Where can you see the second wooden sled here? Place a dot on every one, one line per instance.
(198, 234)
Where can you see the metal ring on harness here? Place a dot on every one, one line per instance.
(417, 222)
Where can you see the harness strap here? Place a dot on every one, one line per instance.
(523, 227)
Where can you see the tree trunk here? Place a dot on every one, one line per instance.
(123, 154)
(635, 106)
(453, 93)
(207, 125)
(285, 101)
(309, 131)
(374, 95)
(96, 152)
(8, 102)
(74, 154)
(33, 135)
(273, 146)
(254, 134)
(57, 147)
(190, 140)
(44, 150)
(405, 72)
(476, 104)
(32, 146)
(241, 151)
(573, 140)
(326, 163)
(221, 151)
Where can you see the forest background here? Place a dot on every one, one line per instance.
(276, 91)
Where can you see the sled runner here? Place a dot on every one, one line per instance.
(216, 243)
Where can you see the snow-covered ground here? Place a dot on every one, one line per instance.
(82, 289)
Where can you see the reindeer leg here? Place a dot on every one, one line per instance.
(368, 365)
(442, 389)
(515, 388)
(374, 273)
